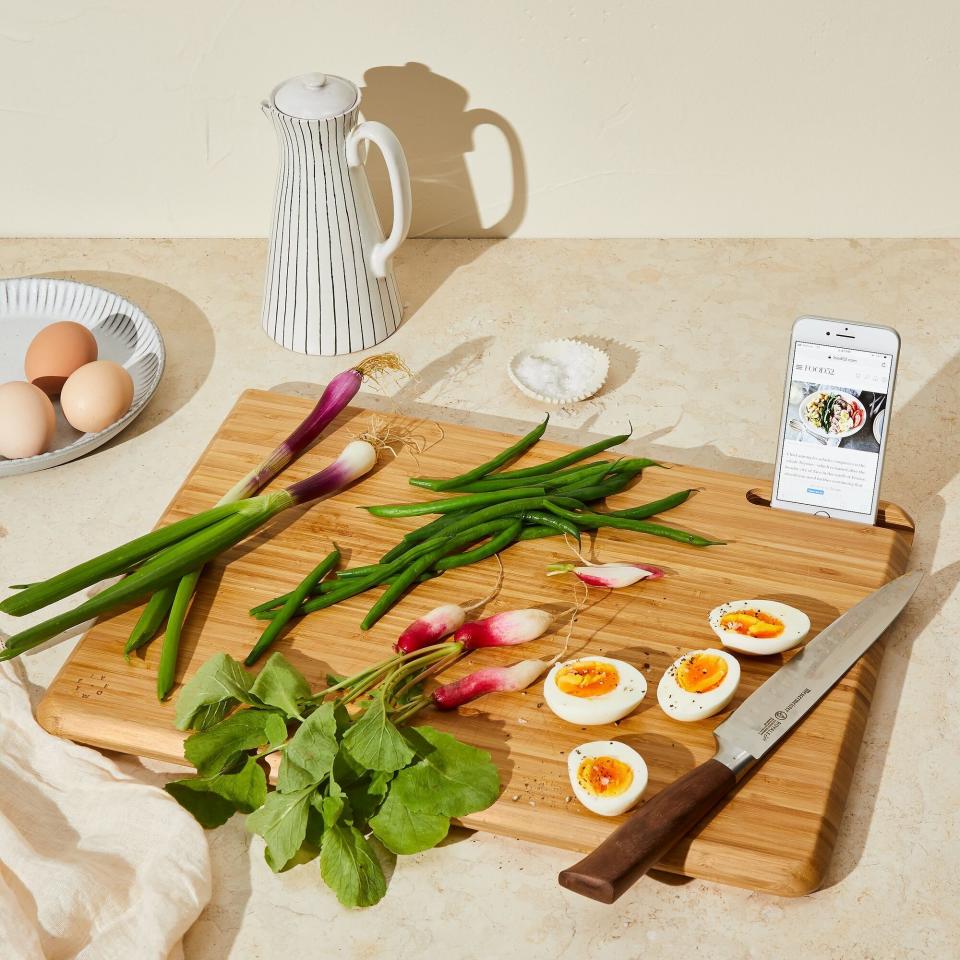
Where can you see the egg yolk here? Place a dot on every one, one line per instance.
(753, 623)
(588, 678)
(701, 672)
(604, 776)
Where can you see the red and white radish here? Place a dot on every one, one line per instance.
(431, 627)
(504, 629)
(518, 676)
(610, 575)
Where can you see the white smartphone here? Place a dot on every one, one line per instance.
(836, 417)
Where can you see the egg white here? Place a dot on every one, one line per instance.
(608, 806)
(687, 706)
(604, 708)
(796, 625)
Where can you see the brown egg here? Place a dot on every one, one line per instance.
(55, 352)
(27, 420)
(96, 395)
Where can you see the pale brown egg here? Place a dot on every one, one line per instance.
(27, 420)
(55, 352)
(96, 395)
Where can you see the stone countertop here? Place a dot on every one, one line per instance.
(697, 332)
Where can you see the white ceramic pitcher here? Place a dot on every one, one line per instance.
(330, 287)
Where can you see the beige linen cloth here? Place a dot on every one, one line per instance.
(93, 864)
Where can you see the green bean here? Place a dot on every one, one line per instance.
(546, 480)
(426, 532)
(399, 586)
(290, 607)
(334, 583)
(538, 532)
(349, 589)
(145, 629)
(471, 536)
(557, 524)
(575, 456)
(430, 530)
(469, 501)
(654, 507)
(409, 553)
(597, 491)
(512, 507)
(494, 545)
(511, 453)
(423, 578)
(594, 521)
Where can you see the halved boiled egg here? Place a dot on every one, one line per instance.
(698, 684)
(759, 627)
(607, 776)
(593, 690)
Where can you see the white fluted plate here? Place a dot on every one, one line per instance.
(567, 370)
(124, 334)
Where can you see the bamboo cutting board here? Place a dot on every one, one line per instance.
(778, 830)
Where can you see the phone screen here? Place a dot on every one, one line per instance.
(836, 415)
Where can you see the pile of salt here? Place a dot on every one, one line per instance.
(553, 378)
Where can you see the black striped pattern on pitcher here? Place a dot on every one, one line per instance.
(320, 296)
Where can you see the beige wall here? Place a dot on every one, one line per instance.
(578, 118)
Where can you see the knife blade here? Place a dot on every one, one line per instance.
(755, 728)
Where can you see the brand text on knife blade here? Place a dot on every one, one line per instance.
(772, 723)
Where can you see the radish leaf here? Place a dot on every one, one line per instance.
(308, 756)
(374, 742)
(407, 831)
(213, 800)
(281, 685)
(350, 868)
(450, 779)
(211, 750)
(282, 822)
(206, 698)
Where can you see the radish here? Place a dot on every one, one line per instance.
(504, 629)
(612, 575)
(431, 627)
(441, 621)
(518, 676)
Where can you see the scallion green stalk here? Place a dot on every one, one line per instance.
(170, 565)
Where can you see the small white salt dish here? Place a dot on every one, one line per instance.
(559, 371)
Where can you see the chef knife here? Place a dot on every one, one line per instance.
(755, 728)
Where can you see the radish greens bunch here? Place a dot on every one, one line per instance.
(347, 778)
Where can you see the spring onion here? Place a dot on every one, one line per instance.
(335, 397)
(171, 564)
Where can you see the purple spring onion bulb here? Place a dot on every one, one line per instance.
(431, 628)
(337, 394)
(611, 575)
(518, 676)
(358, 457)
(504, 629)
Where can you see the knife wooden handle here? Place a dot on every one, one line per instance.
(635, 846)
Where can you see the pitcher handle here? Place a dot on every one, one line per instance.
(396, 162)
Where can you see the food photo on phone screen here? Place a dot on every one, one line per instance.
(835, 422)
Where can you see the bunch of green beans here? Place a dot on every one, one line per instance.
(490, 509)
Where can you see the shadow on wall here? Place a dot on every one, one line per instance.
(428, 113)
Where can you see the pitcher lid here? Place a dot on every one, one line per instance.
(315, 96)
